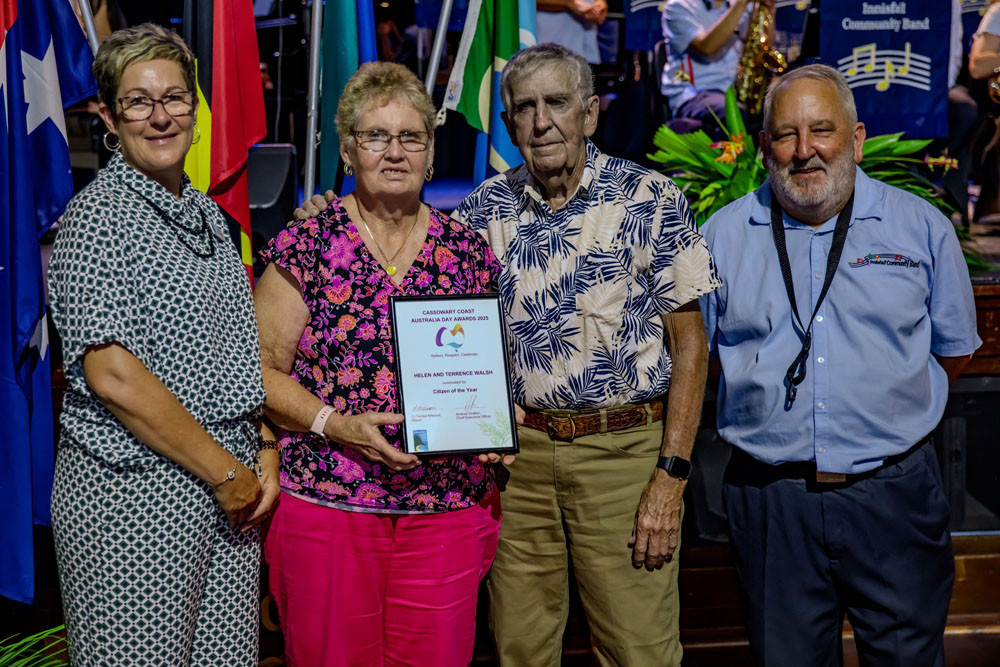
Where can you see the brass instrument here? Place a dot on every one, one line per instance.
(993, 85)
(760, 61)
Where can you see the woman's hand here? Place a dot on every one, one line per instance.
(507, 459)
(361, 433)
(239, 496)
(270, 488)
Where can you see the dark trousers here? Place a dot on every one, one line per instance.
(696, 114)
(877, 548)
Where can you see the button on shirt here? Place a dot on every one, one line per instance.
(583, 287)
(872, 389)
(687, 71)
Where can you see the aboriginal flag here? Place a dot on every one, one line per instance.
(231, 118)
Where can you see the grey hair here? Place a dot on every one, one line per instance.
(816, 73)
(528, 60)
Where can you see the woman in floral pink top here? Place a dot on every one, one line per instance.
(375, 556)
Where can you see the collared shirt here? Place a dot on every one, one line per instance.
(873, 389)
(574, 32)
(584, 287)
(133, 264)
(688, 72)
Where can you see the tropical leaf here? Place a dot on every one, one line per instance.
(709, 185)
(38, 650)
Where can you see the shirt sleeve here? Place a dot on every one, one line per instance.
(682, 266)
(680, 25)
(952, 306)
(990, 25)
(294, 249)
(93, 287)
(709, 304)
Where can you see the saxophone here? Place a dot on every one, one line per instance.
(759, 63)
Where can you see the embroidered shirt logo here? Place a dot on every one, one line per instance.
(886, 259)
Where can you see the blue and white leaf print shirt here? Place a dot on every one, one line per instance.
(584, 287)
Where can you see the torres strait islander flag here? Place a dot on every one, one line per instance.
(45, 64)
(231, 118)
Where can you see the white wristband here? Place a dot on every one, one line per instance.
(319, 423)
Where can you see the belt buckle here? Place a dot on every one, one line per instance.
(830, 477)
(553, 432)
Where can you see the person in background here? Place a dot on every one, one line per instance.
(159, 484)
(846, 310)
(984, 63)
(572, 23)
(376, 557)
(704, 45)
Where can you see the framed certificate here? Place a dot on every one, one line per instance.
(452, 374)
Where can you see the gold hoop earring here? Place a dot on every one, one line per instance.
(348, 170)
(118, 141)
(197, 137)
(429, 174)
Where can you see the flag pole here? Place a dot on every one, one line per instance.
(88, 24)
(438, 48)
(313, 114)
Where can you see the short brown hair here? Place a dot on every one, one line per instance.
(139, 44)
(381, 82)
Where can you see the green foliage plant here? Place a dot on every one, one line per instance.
(37, 650)
(714, 174)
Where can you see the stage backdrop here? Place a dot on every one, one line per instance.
(895, 58)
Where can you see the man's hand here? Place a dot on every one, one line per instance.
(657, 522)
(597, 12)
(314, 205)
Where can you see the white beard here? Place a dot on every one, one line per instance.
(828, 194)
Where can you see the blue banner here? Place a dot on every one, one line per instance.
(894, 56)
(642, 24)
(972, 16)
(429, 11)
(44, 64)
(790, 16)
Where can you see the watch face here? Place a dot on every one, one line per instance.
(675, 466)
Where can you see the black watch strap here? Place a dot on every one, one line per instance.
(675, 466)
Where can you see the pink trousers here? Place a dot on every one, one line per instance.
(361, 590)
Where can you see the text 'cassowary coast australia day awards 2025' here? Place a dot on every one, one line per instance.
(452, 373)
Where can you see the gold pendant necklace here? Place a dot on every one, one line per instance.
(390, 268)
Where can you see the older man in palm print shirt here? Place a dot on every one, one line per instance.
(603, 265)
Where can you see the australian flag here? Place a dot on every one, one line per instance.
(45, 63)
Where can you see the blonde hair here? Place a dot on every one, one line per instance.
(381, 82)
(139, 44)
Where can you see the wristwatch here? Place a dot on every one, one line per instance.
(675, 466)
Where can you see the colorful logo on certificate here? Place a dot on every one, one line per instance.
(454, 338)
(420, 443)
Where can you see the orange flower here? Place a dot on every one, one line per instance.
(346, 322)
(730, 149)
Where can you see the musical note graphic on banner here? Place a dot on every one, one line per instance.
(869, 48)
(885, 67)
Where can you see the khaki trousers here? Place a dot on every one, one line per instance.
(577, 500)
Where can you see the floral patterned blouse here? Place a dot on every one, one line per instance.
(345, 356)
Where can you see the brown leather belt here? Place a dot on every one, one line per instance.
(569, 424)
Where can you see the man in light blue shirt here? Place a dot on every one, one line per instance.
(703, 51)
(833, 492)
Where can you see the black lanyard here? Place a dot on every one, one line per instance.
(796, 373)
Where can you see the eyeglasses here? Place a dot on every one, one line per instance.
(140, 107)
(377, 141)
